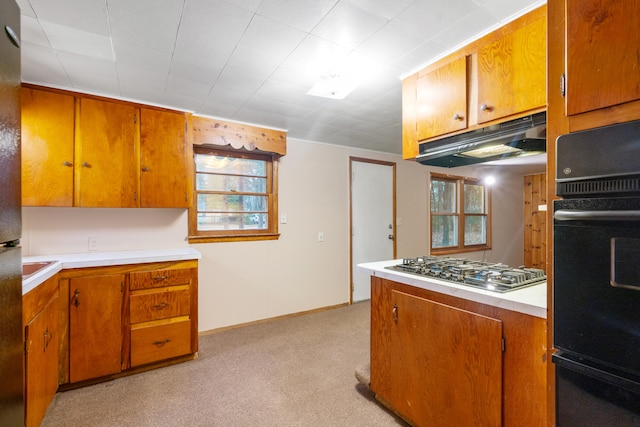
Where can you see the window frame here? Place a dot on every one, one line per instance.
(460, 215)
(209, 236)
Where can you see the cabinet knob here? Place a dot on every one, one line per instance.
(145, 169)
(485, 107)
(86, 164)
(457, 117)
(68, 164)
(394, 312)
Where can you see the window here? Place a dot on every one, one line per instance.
(460, 219)
(235, 196)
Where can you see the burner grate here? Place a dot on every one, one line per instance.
(496, 277)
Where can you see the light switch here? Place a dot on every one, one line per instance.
(283, 218)
(320, 236)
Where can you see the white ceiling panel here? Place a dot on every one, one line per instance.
(138, 56)
(90, 74)
(426, 19)
(242, 82)
(156, 28)
(385, 8)
(32, 32)
(181, 86)
(269, 36)
(348, 25)
(69, 39)
(89, 16)
(390, 43)
(25, 8)
(41, 65)
(466, 29)
(506, 10)
(254, 61)
(301, 14)
(219, 109)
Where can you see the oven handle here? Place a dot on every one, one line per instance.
(578, 215)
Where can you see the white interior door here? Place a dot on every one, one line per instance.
(372, 220)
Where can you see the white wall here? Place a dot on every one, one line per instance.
(241, 282)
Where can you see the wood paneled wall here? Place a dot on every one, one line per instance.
(535, 221)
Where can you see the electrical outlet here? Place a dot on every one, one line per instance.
(93, 243)
(320, 236)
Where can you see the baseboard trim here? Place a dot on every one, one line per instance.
(271, 319)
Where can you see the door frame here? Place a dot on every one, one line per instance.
(395, 234)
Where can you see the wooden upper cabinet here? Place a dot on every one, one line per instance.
(47, 148)
(163, 159)
(107, 155)
(602, 60)
(512, 72)
(498, 77)
(441, 97)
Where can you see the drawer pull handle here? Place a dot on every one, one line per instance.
(160, 343)
(159, 278)
(160, 306)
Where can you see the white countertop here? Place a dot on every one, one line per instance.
(101, 259)
(531, 300)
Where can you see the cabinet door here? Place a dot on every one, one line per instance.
(512, 73)
(442, 100)
(107, 156)
(41, 362)
(603, 65)
(95, 326)
(47, 148)
(443, 365)
(163, 160)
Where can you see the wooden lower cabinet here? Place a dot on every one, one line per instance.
(125, 319)
(40, 321)
(161, 309)
(438, 360)
(151, 343)
(95, 326)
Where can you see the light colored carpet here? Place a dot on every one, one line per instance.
(298, 371)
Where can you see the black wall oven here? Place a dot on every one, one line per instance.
(596, 296)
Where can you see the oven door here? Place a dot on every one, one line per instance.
(596, 294)
(589, 396)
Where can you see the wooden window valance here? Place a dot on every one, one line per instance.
(207, 131)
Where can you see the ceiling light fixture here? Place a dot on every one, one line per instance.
(332, 85)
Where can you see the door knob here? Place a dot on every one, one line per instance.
(390, 236)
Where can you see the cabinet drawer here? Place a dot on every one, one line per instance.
(144, 307)
(159, 278)
(154, 343)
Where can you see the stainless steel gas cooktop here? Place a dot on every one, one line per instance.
(490, 276)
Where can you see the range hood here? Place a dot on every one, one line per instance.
(516, 138)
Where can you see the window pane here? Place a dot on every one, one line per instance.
(475, 230)
(232, 203)
(230, 183)
(444, 231)
(473, 198)
(230, 165)
(232, 221)
(443, 196)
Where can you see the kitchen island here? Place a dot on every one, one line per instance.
(445, 354)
